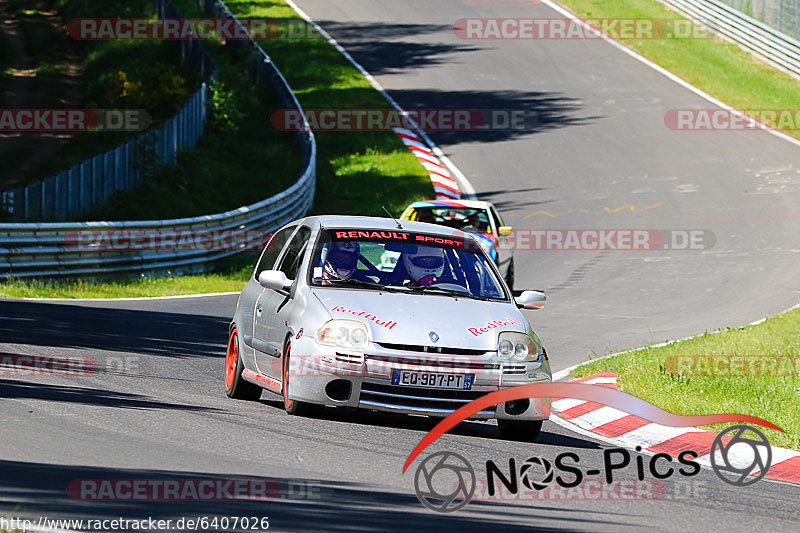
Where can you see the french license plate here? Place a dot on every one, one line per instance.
(432, 380)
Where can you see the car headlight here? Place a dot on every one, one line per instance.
(344, 333)
(513, 346)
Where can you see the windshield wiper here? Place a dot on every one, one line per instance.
(353, 283)
(449, 292)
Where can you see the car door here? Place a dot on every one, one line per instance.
(273, 307)
(252, 291)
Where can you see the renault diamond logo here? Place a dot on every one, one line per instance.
(433, 336)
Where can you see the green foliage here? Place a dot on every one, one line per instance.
(225, 115)
(162, 92)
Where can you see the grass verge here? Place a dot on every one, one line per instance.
(659, 376)
(230, 276)
(719, 68)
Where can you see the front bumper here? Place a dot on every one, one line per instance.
(322, 374)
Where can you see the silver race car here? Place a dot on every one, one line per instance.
(323, 322)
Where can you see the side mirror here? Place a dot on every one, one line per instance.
(274, 279)
(531, 300)
(504, 231)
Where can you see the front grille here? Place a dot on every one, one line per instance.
(430, 349)
(433, 361)
(514, 370)
(411, 397)
(349, 358)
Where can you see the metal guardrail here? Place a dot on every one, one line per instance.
(766, 42)
(94, 180)
(783, 15)
(50, 249)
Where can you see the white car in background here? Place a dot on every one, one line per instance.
(478, 218)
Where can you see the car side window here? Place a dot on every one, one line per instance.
(274, 248)
(496, 216)
(294, 253)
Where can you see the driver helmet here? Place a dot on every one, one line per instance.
(473, 220)
(341, 260)
(425, 265)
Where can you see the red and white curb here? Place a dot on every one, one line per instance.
(630, 431)
(443, 183)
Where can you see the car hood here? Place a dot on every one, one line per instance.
(410, 318)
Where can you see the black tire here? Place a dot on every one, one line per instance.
(510, 276)
(235, 385)
(294, 407)
(520, 430)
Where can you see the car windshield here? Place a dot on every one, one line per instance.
(404, 261)
(472, 220)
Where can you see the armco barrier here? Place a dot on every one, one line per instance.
(783, 15)
(46, 250)
(764, 41)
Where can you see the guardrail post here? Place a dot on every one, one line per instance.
(56, 196)
(173, 147)
(86, 185)
(127, 170)
(109, 177)
(97, 178)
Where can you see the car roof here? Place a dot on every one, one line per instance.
(379, 223)
(472, 204)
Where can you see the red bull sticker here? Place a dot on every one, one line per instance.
(388, 324)
(494, 324)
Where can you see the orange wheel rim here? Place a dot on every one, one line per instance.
(232, 359)
(286, 401)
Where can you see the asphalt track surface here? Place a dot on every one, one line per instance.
(156, 408)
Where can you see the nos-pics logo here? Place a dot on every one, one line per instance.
(445, 482)
(741, 455)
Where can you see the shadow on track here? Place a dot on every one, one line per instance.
(388, 47)
(377, 48)
(513, 200)
(96, 397)
(470, 428)
(506, 114)
(30, 490)
(120, 330)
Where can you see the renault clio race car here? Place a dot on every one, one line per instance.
(476, 217)
(321, 324)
